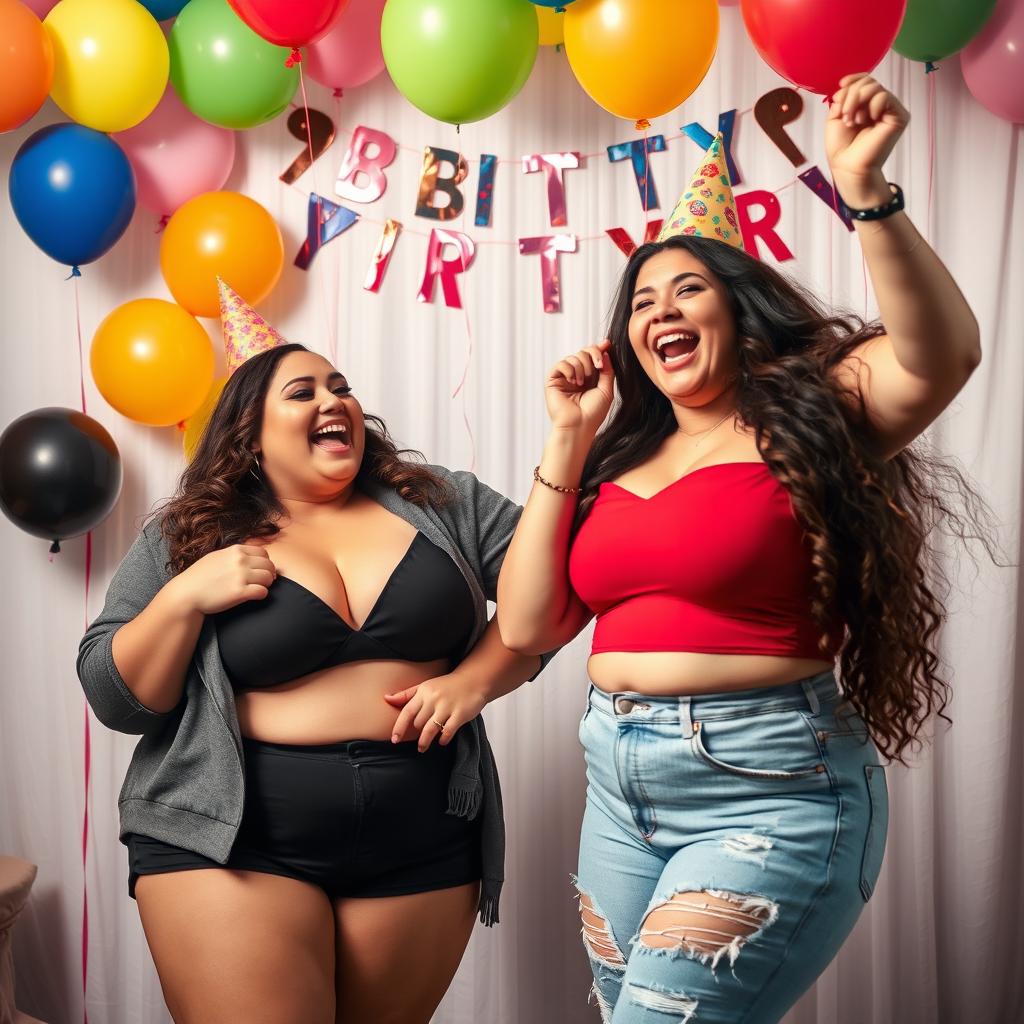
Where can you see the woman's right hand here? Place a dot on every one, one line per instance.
(580, 388)
(225, 578)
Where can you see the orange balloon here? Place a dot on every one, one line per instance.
(196, 423)
(152, 362)
(26, 64)
(220, 234)
(641, 58)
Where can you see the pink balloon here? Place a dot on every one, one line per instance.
(41, 7)
(176, 156)
(993, 62)
(728, 3)
(350, 53)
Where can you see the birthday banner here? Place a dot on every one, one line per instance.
(444, 189)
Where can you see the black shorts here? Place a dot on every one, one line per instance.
(359, 818)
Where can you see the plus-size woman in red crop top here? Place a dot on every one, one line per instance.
(750, 515)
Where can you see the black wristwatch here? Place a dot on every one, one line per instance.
(894, 205)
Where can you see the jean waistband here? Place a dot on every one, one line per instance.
(805, 694)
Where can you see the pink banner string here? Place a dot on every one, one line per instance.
(465, 369)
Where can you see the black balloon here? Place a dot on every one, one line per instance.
(60, 473)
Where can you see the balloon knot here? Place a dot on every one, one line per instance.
(162, 223)
(559, 10)
(295, 57)
(181, 425)
(55, 548)
(642, 124)
(930, 66)
(75, 272)
(338, 93)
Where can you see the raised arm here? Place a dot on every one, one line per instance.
(537, 609)
(908, 375)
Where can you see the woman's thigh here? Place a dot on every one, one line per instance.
(397, 955)
(240, 947)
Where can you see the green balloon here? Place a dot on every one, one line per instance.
(459, 60)
(934, 29)
(224, 72)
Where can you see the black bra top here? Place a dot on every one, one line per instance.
(425, 612)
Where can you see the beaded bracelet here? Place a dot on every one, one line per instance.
(554, 487)
(894, 205)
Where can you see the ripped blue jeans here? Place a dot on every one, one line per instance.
(729, 844)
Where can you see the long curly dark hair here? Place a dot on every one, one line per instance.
(222, 500)
(870, 522)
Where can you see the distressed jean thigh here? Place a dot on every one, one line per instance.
(762, 840)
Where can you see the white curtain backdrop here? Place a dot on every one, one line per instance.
(941, 941)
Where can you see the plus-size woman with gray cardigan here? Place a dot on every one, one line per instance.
(300, 639)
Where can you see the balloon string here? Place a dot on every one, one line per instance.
(931, 145)
(469, 347)
(87, 739)
(332, 341)
(647, 183)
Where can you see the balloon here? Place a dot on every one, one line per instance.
(176, 156)
(641, 58)
(73, 192)
(26, 64)
(152, 362)
(196, 423)
(814, 43)
(350, 53)
(286, 23)
(110, 62)
(223, 71)
(552, 26)
(220, 234)
(163, 9)
(993, 62)
(559, 5)
(60, 473)
(459, 61)
(935, 29)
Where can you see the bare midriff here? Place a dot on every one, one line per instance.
(682, 673)
(345, 702)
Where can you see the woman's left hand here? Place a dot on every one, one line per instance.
(436, 708)
(864, 122)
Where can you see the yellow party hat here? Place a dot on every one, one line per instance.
(707, 208)
(246, 333)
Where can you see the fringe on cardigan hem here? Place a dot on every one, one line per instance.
(490, 893)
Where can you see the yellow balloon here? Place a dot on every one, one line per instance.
(152, 361)
(110, 62)
(196, 423)
(641, 58)
(551, 26)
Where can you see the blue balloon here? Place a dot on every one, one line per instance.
(163, 9)
(73, 192)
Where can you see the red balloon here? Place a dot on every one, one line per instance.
(287, 23)
(814, 43)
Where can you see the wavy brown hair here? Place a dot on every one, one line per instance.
(870, 522)
(222, 498)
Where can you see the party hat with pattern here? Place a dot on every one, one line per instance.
(246, 333)
(707, 208)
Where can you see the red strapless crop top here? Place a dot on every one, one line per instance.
(714, 563)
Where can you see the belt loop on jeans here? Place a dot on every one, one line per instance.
(685, 716)
(812, 695)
